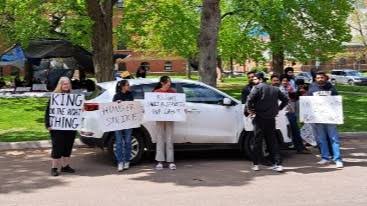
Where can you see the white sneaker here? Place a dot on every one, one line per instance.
(323, 162)
(127, 165)
(120, 167)
(255, 168)
(172, 166)
(159, 166)
(339, 164)
(277, 168)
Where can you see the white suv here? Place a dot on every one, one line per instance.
(214, 120)
(347, 76)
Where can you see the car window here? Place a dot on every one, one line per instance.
(91, 95)
(200, 94)
(353, 73)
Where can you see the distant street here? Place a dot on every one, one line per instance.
(202, 178)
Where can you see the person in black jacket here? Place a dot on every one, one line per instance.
(262, 104)
(247, 89)
(62, 140)
(123, 137)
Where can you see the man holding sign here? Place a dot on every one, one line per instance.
(325, 128)
(62, 119)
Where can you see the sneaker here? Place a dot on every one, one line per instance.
(255, 168)
(172, 166)
(120, 167)
(159, 166)
(323, 162)
(304, 151)
(54, 172)
(277, 168)
(67, 169)
(127, 165)
(339, 164)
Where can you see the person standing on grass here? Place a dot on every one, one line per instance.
(262, 104)
(275, 80)
(247, 89)
(62, 140)
(164, 144)
(123, 137)
(326, 132)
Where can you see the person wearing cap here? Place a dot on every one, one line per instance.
(263, 105)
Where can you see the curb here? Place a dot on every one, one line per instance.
(47, 143)
(33, 145)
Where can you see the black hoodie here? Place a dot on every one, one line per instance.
(325, 90)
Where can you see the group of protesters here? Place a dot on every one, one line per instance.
(262, 104)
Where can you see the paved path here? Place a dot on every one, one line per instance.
(202, 178)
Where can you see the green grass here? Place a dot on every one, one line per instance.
(22, 119)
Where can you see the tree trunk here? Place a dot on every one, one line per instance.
(100, 11)
(278, 62)
(209, 28)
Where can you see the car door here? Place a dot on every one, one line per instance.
(209, 121)
(180, 128)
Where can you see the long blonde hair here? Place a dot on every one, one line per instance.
(58, 88)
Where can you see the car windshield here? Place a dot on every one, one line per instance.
(354, 73)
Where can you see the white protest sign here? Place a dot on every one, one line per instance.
(118, 116)
(321, 109)
(39, 87)
(65, 110)
(164, 107)
(23, 89)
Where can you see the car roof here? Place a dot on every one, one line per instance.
(344, 70)
(145, 81)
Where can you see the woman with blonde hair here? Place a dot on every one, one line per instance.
(62, 140)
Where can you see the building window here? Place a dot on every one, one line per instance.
(168, 66)
(145, 65)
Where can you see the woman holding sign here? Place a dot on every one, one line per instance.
(123, 137)
(62, 140)
(164, 145)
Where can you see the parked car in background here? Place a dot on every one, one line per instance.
(214, 120)
(306, 76)
(347, 76)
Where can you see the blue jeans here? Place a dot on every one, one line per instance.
(325, 131)
(296, 135)
(123, 145)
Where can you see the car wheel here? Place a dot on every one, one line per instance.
(137, 147)
(333, 82)
(351, 82)
(249, 144)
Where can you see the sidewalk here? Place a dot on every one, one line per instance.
(78, 143)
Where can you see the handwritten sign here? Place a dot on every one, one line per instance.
(164, 107)
(65, 110)
(39, 87)
(321, 109)
(118, 116)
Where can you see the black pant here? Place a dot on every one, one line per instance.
(265, 128)
(62, 143)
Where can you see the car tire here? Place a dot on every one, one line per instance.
(333, 82)
(351, 82)
(248, 147)
(137, 148)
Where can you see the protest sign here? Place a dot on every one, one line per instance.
(118, 116)
(23, 89)
(164, 107)
(39, 87)
(321, 109)
(65, 110)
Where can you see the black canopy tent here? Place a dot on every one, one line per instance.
(58, 48)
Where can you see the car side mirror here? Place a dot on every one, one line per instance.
(227, 102)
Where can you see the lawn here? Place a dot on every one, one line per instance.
(22, 119)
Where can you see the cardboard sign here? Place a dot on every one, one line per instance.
(65, 110)
(321, 109)
(119, 116)
(39, 87)
(164, 107)
(23, 89)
